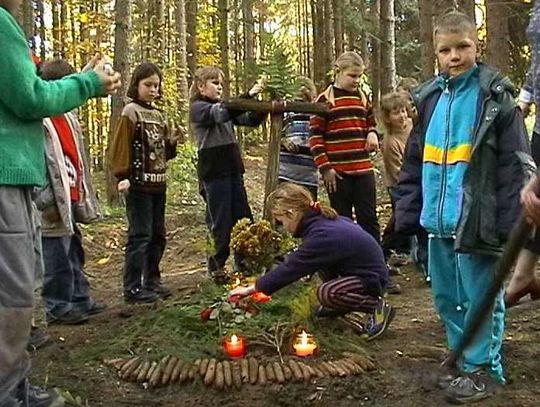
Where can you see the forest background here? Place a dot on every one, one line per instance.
(278, 40)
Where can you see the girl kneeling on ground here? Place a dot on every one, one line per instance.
(348, 260)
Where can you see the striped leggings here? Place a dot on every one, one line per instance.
(347, 294)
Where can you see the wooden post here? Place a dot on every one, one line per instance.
(276, 108)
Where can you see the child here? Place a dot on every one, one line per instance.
(220, 168)
(465, 164)
(67, 198)
(295, 160)
(341, 144)
(139, 153)
(349, 261)
(24, 101)
(398, 125)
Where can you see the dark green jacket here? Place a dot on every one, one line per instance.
(500, 165)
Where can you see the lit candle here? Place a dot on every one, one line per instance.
(236, 283)
(259, 296)
(235, 346)
(304, 345)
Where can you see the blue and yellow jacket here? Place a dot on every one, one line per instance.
(465, 162)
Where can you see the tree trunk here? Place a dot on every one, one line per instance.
(42, 30)
(498, 37)
(122, 27)
(337, 6)
(467, 7)
(181, 58)
(426, 37)
(388, 46)
(272, 169)
(27, 19)
(375, 63)
(223, 40)
(319, 46)
(328, 42)
(249, 44)
(191, 31)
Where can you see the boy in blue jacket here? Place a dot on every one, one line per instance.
(465, 163)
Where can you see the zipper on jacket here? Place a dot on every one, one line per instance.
(445, 157)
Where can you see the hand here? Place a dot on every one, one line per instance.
(92, 63)
(372, 142)
(290, 146)
(255, 90)
(123, 186)
(242, 291)
(531, 202)
(330, 180)
(525, 107)
(110, 79)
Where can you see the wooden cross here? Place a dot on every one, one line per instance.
(276, 108)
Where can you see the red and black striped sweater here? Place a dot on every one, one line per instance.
(338, 140)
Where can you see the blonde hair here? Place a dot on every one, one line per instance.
(202, 75)
(288, 198)
(349, 59)
(389, 102)
(455, 22)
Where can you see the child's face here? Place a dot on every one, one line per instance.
(11, 5)
(348, 79)
(397, 118)
(148, 89)
(212, 88)
(456, 52)
(289, 220)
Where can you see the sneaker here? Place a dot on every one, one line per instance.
(392, 287)
(325, 312)
(378, 322)
(96, 308)
(161, 290)
(34, 396)
(219, 276)
(140, 296)
(355, 321)
(445, 380)
(71, 317)
(38, 339)
(468, 388)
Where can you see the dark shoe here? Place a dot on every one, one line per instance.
(392, 287)
(96, 308)
(140, 296)
(219, 276)
(34, 396)
(379, 321)
(161, 290)
(69, 318)
(470, 388)
(38, 339)
(325, 312)
(446, 378)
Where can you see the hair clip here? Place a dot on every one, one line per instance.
(316, 206)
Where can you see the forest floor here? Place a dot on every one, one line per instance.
(407, 355)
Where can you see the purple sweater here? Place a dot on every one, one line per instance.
(333, 248)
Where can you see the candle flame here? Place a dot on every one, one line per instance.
(234, 340)
(237, 282)
(304, 338)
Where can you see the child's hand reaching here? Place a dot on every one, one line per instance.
(110, 79)
(242, 291)
(256, 89)
(123, 186)
(372, 142)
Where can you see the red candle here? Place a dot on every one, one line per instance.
(259, 296)
(235, 346)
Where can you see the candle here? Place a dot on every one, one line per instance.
(236, 283)
(259, 296)
(235, 346)
(304, 344)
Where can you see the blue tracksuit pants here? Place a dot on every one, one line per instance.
(458, 282)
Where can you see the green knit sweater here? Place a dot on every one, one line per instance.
(25, 100)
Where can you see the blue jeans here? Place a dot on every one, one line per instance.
(65, 287)
(458, 280)
(226, 203)
(146, 239)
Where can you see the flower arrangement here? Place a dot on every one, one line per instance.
(259, 244)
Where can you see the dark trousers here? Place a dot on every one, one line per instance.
(392, 240)
(146, 239)
(65, 287)
(534, 244)
(347, 294)
(359, 193)
(226, 203)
